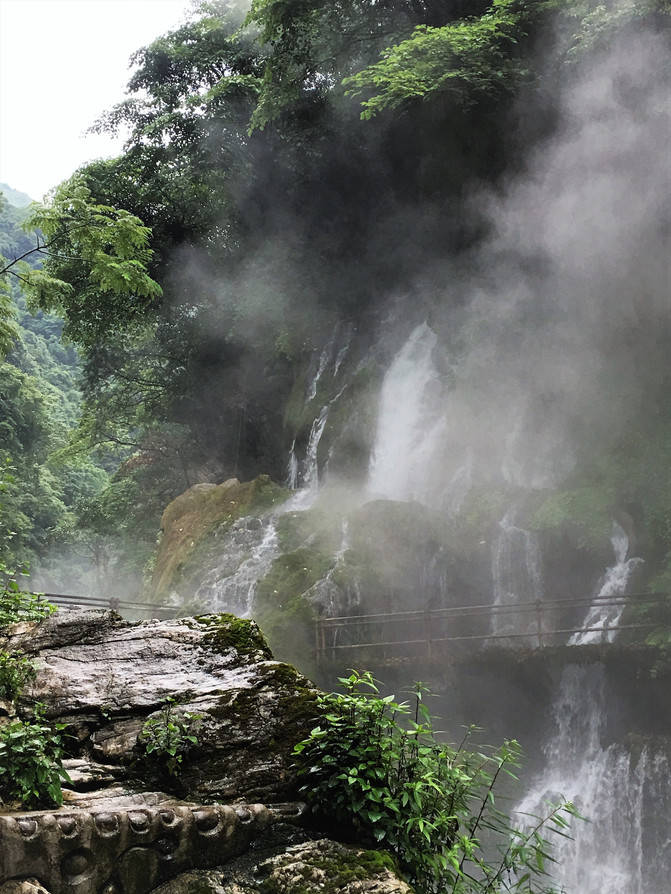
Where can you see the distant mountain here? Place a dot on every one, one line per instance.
(14, 197)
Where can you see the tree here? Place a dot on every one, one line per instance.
(104, 250)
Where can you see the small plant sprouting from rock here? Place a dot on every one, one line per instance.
(17, 604)
(31, 751)
(15, 671)
(375, 767)
(166, 740)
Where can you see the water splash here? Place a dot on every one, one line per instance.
(602, 618)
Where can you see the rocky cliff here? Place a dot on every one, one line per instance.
(133, 822)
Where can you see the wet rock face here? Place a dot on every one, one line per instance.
(104, 677)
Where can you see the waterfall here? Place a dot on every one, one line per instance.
(324, 358)
(292, 471)
(602, 618)
(251, 548)
(516, 575)
(459, 486)
(331, 599)
(411, 423)
(625, 847)
(327, 355)
(342, 353)
(309, 479)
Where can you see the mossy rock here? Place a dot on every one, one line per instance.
(225, 631)
(331, 868)
(194, 524)
(282, 609)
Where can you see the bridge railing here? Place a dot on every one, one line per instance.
(123, 606)
(529, 625)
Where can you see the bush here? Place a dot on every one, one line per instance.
(18, 605)
(31, 766)
(15, 671)
(168, 738)
(375, 766)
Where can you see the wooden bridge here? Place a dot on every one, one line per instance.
(530, 626)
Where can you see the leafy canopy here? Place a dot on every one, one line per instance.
(80, 239)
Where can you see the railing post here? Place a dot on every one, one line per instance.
(427, 633)
(318, 640)
(539, 622)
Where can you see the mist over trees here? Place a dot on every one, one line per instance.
(297, 165)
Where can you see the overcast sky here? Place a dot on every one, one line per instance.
(62, 63)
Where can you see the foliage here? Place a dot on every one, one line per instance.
(17, 604)
(15, 671)
(85, 241)
(31, 762)
(469, 58)
(167, 739)
(379, 768)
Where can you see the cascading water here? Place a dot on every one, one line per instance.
(411, 422)
(309, 480)
(603, 617)
(516, 576)
(625, 847)
(251, 548)
(326, 593)
(292, 471)
(252, 545)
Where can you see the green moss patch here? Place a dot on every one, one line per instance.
(330, 871)
(226, 632)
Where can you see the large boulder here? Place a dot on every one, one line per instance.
(104, 678)
(130, 826)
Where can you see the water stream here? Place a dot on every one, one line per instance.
(604, 615)
(517, 577)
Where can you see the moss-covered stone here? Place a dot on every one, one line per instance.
(283, 610)
(329, 868)
(228, 632)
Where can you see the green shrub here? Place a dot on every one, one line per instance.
(15, 671)
(31, 766)
(166, 740)
(18, 605)
(376, 766)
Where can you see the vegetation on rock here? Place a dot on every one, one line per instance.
(375, 766)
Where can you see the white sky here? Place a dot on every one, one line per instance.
(62, 63)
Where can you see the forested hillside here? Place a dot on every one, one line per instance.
(307, 165)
